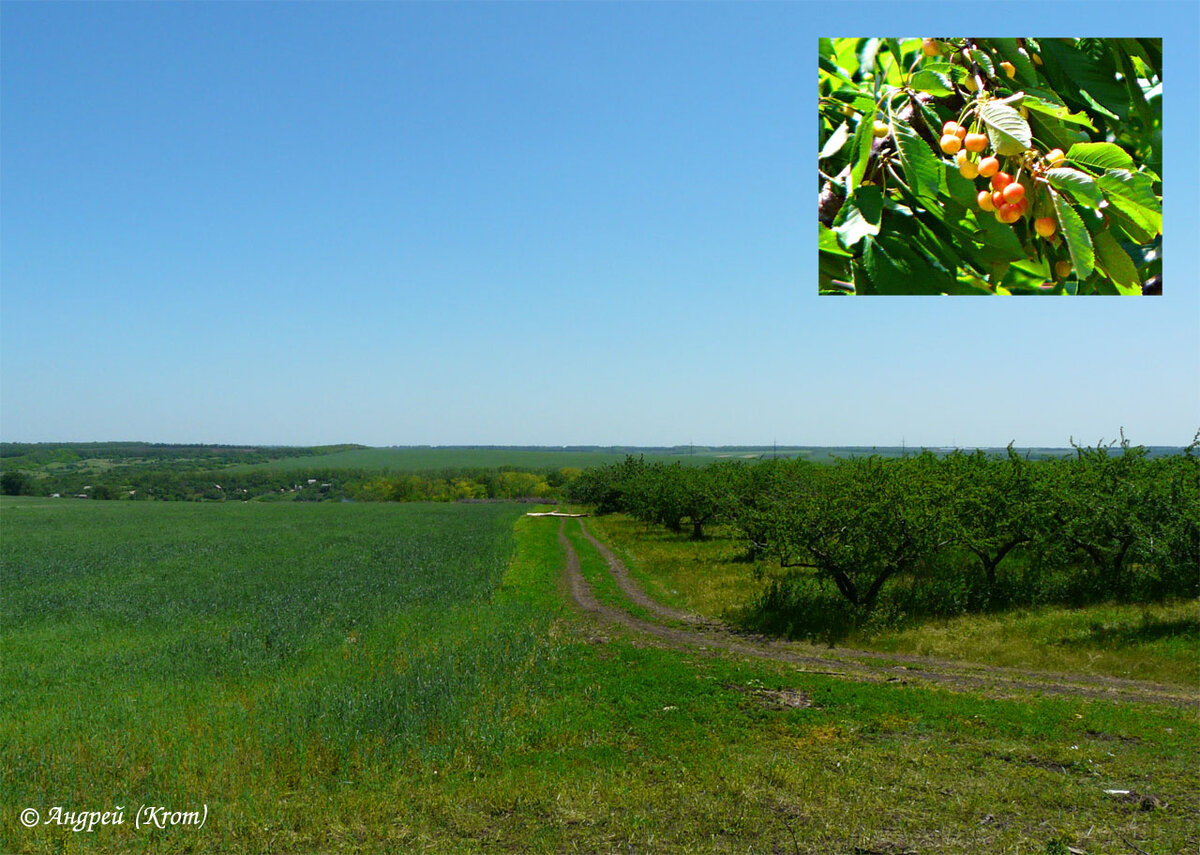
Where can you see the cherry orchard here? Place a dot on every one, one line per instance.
(990, 166)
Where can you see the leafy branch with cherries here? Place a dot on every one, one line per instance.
(990, 166)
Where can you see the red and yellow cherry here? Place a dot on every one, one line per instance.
(880, 129)
(984, 199)
(930, 47)
(966, 167)
(1062, 268)
(950, 143)
(1008, 214)
(1045, 226)
(998, 199)
(1013, 192)
(1055, 157)
(1001, 180)
(988, 167)
(975, 142)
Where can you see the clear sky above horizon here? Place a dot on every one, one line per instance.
(516, 224)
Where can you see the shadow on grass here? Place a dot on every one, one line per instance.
(799, 608)
(1149, 630)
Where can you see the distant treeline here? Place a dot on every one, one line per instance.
(19, 455)
(932, 534)
(173, 484)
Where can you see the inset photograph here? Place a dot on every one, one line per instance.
(1017, 166)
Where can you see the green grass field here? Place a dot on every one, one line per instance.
(352, 677)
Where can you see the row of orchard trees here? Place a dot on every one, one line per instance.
(958, 531)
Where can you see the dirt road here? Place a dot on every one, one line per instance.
(684, 631)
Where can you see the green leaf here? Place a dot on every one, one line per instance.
(860, 152)
(1152, 51)
(999, 241)
(828, 241)
(1060, 111)
(1080, 185)
(1011, 51)
(1099, 157)
(984, 62)
(1010, 134)
(1079, 242)
(892, 68)
(829, 67)
(1116, 264)
(959, 189)
(938, 85)
(1054, 134)
(861, 102)
(860, 215)
(866, 60)
(1025, 275)
(895, 268)
(1136, 97)
(1132, 193)
(894, 47)
(972, 284)
(1095, 77)
(922, 169)
(832, 269)
(846, 53)
(933, 122)
(835, 142)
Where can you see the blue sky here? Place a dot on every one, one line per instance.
(515, 223)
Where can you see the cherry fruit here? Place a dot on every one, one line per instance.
(975, 142)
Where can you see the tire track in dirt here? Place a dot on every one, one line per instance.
(708, 637)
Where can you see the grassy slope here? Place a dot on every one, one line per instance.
(541, 732)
